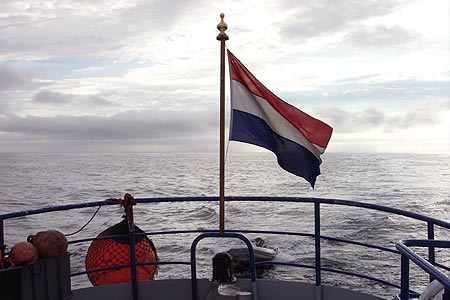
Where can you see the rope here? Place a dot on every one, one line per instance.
(73, 233)
(127, 202)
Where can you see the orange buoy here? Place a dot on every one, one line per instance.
(115, 251)
(50, 243)
(23, 253)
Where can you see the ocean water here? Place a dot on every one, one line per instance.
(415, 182)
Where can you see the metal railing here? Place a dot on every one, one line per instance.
(317, 236)
(409, 255)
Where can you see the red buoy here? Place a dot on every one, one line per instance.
(50, 243)
(23, 253)
(115, 252)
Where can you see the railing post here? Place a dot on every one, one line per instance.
(2, 238)
(133, 259)
(404, 280)
(317, 242)
(431, 249)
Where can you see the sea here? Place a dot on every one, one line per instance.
(415, 182)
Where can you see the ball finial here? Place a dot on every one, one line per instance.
(222, 27)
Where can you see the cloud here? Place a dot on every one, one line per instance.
(159, 13)
(381, 36)
(10, 79)
(184, 131)
(147, 125)
(55, 98)
(344, 121)
(52, 98)
(425, 114)
(316, 18)
(92, 60)
(83, 29)
(373, 89)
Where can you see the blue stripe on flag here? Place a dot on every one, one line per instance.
(291, 156)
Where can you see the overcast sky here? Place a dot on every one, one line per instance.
(143, 75)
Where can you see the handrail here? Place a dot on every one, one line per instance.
(431, 223)
(378, 207)
(251, 256)
(409, 254)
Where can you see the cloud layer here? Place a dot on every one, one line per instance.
(99, 73)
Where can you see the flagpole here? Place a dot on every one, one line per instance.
(222, 37)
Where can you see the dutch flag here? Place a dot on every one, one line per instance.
(259, 117)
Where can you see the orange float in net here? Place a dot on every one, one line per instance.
(115, 252)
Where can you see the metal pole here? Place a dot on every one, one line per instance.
(2, 239)
(134, 284)
(431, 250)
(222, 37)
(404, 278)
(318, 263)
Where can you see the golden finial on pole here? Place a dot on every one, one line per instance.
(222, 27)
